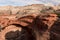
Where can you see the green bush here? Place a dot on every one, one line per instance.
(58, 13)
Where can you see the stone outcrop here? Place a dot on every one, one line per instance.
(28, 23)
(45, 21)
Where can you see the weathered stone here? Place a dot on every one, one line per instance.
(28, 23)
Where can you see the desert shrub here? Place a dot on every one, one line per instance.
(58, 12)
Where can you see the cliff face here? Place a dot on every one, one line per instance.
(28, 22)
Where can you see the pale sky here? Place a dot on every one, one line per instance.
(27, 2)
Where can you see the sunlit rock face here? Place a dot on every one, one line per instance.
(42, 25)
(34, 24)
(49, 19)
(8, 29)
(17, 29)
(16, 33)
(28, 23)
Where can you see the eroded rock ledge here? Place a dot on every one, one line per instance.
(29, 23)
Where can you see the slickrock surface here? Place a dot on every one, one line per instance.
(32, 22)
(8, 29)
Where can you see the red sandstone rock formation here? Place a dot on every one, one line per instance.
(27, 21)
(49, 19)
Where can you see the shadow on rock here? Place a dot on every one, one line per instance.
(55, 31)
(19, 35)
